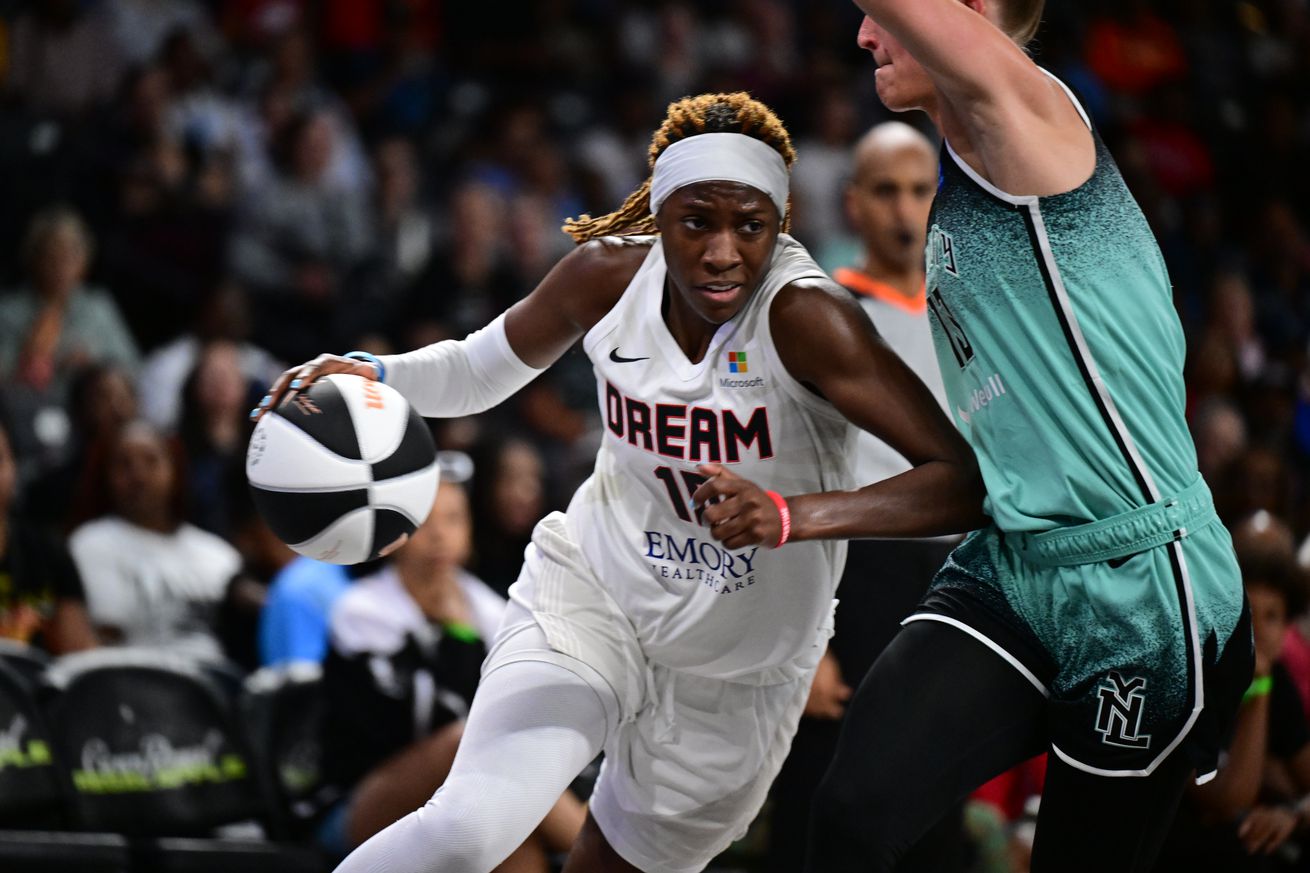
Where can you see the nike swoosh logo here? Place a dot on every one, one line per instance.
(616, 358)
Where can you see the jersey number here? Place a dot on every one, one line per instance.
(681, 503)
(959, 340)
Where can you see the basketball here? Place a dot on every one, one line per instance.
(345, 471)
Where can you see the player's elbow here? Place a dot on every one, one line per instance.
(973, 491)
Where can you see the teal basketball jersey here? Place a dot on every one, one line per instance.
(1107, 579)
(1059, 345)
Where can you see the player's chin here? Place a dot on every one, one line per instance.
(891, 99)
(894, 96)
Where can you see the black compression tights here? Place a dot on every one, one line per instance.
(939, 714)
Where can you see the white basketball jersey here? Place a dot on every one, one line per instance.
(695, 605)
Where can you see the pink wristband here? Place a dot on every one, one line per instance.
(784, 514)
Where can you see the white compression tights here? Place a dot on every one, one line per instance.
(532, 728)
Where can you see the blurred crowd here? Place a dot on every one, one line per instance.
(196, 193)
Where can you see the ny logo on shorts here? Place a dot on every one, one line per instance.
(1119, 717)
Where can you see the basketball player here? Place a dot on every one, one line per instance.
(674, 616)
(1101, 614)
(892, 182)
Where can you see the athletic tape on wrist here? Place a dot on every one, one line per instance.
(784, 515)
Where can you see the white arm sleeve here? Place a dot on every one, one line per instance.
(460, 377)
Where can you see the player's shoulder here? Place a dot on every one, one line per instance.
(814, 319)
(816, 295)
(609, 259)
(590, 279)
(808, 284)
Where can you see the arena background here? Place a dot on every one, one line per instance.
(437, 147)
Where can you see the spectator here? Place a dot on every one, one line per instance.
(468, 279)
(201, 116)
(407, 646)
(1133, 49)
(1232, 318)
(299, 241)
(508, 498)
(57, 323)
(53, 327)
(1245, 818)
(101, 400)
(62, 58)
(142, 26)
(214, 431)
(404, 238)
(151, 578)
(820, 221)
(41, 598)
(293, 625)
(224, 316)
(292, 72)
(263, 556)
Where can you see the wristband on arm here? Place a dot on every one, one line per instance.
(1259, 687)
(371, 359)
(465, 633)
(784, 515)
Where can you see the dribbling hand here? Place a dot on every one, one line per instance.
(736, 510)
(300, 377)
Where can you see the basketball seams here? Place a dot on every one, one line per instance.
(318, 412)
(304, 441)
(379, 426)
(335, 508)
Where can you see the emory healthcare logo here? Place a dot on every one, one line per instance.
(737, 362)
(1119, 716)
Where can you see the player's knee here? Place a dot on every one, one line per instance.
(462, 845)
(462, 834)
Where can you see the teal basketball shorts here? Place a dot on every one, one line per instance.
(1135, 629)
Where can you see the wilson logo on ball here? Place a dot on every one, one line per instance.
(373, 395)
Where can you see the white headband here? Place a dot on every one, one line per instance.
(720, 157)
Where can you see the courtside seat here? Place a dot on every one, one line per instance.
(283, 712)
(151, 745)
(155, 752)
(31, 787)
(33, 795)
(27, 660)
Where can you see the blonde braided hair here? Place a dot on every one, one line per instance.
(704, 113)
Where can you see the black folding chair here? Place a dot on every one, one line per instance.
(283, 713)
(33, 795)
(27, 660)
(155, 752)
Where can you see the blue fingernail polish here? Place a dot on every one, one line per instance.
(265, 401)
(295, 383)
(254, 413)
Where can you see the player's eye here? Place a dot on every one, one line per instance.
(695, 222)
(753, 226)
